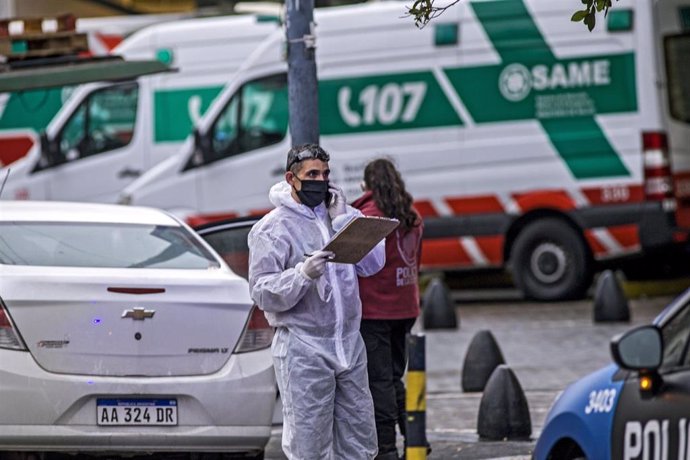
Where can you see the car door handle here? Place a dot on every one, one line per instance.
(127, 172)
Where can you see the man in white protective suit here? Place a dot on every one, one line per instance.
(318, 353)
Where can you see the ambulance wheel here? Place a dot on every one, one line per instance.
(549, 261)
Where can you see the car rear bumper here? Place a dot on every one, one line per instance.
(128, 439)
(230, 410)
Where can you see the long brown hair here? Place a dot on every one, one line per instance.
(389, 193)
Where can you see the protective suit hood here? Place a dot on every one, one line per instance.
(280, 195)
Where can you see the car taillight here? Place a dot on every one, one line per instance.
(658, 178)
(9, 338)
(257, 333)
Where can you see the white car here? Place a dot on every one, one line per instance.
(122, 331)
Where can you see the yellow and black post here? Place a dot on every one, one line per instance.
(415, 401)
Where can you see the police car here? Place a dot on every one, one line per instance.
(637, 408)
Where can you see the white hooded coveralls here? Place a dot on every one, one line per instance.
(318, 353)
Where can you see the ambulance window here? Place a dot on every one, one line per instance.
(676, 334)
(678, 74)
(256, 117)
(104, 121)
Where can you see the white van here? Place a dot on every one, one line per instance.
(524, 138)
(25, 114)
(106, 134)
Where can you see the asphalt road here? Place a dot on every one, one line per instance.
(547, 345)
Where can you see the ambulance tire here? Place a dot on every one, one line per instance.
(549, 261)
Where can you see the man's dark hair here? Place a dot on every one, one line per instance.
(389, 193)
(302, 152)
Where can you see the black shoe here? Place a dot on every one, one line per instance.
(393, 455)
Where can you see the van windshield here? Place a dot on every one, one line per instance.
(677, 49)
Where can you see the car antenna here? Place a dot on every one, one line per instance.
(2, 187)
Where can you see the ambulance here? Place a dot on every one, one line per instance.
(528, 142)
(106, 134)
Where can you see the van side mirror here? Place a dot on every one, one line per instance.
(49, 151)
(202, 148)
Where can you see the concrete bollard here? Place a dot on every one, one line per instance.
(438, 309)
(503, 409)
(415, 399)
(482, 357)
(610, 303)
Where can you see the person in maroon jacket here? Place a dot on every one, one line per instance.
(390, 299)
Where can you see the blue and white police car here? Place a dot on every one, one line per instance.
(637, 408)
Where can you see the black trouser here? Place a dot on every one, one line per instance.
(385, 343)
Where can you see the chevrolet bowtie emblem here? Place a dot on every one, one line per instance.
(138, 314)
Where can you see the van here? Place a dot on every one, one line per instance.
(107, 134)
(25, 114)
(527, 141)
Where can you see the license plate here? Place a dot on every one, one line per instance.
(136, 412)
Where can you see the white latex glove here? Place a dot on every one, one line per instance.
(314, 266)
(338, 204)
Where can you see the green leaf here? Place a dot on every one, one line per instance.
(591, 18)
(579, 16)
(600, 4)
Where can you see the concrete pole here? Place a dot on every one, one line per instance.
(303, 97)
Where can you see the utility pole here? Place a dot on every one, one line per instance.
(303, 97)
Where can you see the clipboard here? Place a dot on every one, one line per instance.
(358, 237)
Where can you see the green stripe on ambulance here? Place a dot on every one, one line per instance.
(384, 103)
(563, 94)
(176, 111)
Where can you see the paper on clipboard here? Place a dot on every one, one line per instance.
(358, 237)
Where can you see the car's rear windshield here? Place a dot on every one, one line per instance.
(104, 245)
(677, 50)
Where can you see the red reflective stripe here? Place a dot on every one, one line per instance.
(425, 208)
(627, 235)
(259, 212)
(656, 140)
(201, 219)
(13, 148)
(491, 247)
(109, 41)
(444, 252)
(475, 205)
(138, 291)
(598, 249)
(555, 199)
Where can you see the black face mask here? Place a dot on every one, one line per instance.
(313, 192)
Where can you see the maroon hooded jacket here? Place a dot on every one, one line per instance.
(392, 293)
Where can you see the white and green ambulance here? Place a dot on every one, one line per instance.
(107, 134)
(25, 114)
(527, 141)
